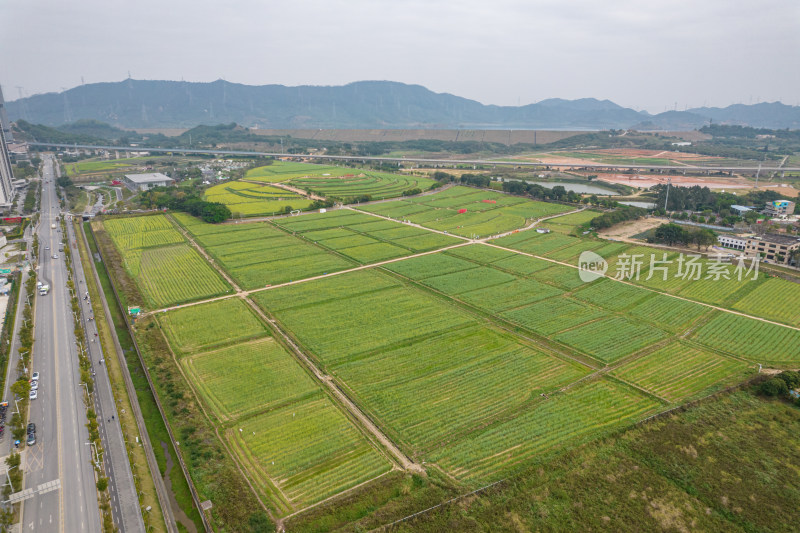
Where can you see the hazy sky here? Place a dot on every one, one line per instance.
(653, 54)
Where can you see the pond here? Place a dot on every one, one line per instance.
(580, 188)
(645, 205)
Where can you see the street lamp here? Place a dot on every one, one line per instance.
(9, 477)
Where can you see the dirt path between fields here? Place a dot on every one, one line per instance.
(342, 398)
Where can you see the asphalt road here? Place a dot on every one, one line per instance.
(62, 451)
(122, 489)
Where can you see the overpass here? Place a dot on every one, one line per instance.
(683, 169)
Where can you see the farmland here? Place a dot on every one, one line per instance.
(472, 360)
(253, 199)
(680, 371)
(467, 212)
(166, 269)
(338, 182)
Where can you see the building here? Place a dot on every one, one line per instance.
(740, 209)
(733, 242)
(6, 174)
(774, 247)
(5, 125)
(143, 182)
(779, 208)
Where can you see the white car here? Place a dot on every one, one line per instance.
(35, 376)
(33, 395)
(34, 385)
(55, 256)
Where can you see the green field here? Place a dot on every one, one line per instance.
(253, 376)
(338, 182)
(257, 255)
(754, 340)
(308, 450)
(482, 213)
(167, 271)
(474, 360)
(680, 371)
(566, 419)
(253, 199)
(189, 329)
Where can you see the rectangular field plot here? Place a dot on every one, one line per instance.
(522, 264)
(611, 339)
(259, 274)
(509, 295)
(429, 265)
(481, 253)
(776, 299)
(335, 330)
(347, 285)
(249, 377)
(468, 280)
(429, 392)
(750, 339)
(565, 277)
(374, 253)
(177, 274)
(679, 372)
(566, 419)
(666, 312)
(209, 325)
(612, 295)
(307, 450)
(552, 315)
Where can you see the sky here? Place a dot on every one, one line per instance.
(653, 55)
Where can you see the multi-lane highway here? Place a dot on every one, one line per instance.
(58, 467)
(445, 162)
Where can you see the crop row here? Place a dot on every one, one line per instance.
(610, 339)
(581, 413)
(431, 391)
(751, 339)
(679, 371)
(177, 274)
(248, 377)
(209, 325)
(308, 449)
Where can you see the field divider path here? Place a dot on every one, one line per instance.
(710, 306)
(404, 461)
(466, 240)
(216, 427)
(245, 294)
(531, 225)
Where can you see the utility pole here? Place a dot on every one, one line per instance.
(666, 199)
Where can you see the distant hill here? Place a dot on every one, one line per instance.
(366, 104)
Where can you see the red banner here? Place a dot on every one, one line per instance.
(13, 220)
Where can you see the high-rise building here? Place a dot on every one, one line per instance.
(6, 175)
(5, 125)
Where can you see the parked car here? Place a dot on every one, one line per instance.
(33, 395)
(34, 385)
(35, 376)
(31, 434)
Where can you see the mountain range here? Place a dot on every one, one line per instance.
(366, 104)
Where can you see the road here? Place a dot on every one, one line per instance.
(487, 162)
(124, 501)
(61, 452)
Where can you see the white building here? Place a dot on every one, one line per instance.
(732, 241)
(143, 182)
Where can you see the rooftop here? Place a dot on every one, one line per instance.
(148, 178)
(778, 238)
